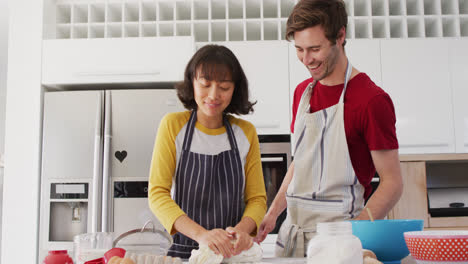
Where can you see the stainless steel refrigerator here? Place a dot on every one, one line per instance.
(96, 154)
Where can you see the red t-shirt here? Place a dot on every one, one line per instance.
(369, 120)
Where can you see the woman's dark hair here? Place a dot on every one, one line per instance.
(330, 14)
(215, 63)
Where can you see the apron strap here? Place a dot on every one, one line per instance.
(230, 132)
(189, 131)
(294, 245)
(349, 70)
(191, 127)
(306, 98)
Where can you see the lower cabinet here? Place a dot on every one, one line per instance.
(433, 171)
(413, 201)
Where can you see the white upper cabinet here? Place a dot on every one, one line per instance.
(266, 67)
(364, 55)
(459, 74)
(297, 71)
(115, 60)
(416, 74)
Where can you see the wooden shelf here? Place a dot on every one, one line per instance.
(440, 222)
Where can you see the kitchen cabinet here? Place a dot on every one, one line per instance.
(364, 55)
(414, 202)
(416, 74)
(266, 67)
(459, 69)
(124, 60)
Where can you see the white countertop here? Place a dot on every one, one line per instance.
(284, 260)
(280, 260)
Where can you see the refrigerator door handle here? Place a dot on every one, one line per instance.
(96, 198)
(106, 164)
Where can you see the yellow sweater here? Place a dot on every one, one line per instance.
(166, 154)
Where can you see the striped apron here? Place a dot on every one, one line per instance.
(208, 188)
(324, 186)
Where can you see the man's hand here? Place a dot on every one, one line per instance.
(276, 208)
(387, 165)
(267, 225)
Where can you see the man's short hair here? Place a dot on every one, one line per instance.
(329, 14)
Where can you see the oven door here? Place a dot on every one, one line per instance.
(275, 166)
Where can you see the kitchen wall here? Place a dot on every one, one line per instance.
(3, 68)
(22, 133)
(3, 74)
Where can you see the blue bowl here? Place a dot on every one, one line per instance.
(385, 237)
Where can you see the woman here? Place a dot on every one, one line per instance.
(209, 160)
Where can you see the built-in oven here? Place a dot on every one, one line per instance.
(276, 157)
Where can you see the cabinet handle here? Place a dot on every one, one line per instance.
(272, 159)
(266, 125)
(97, 172)
(106, 182)
(457, 205)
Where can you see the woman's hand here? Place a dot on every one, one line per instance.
(243, 240)
(217, 240)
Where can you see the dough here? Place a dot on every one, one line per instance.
(252, 255)
(206, 255)
(119, 260)
(369, 260)
(370, 257)
(151, 259)
(368, 253)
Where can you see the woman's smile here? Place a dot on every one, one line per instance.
(212, 105)
(212, 98)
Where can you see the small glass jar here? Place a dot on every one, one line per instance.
(334, 244)
(58, 257)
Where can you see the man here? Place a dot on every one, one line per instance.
(344, 131)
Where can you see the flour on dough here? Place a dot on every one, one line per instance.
(205, 255)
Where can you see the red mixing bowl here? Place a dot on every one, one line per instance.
(438, 246)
